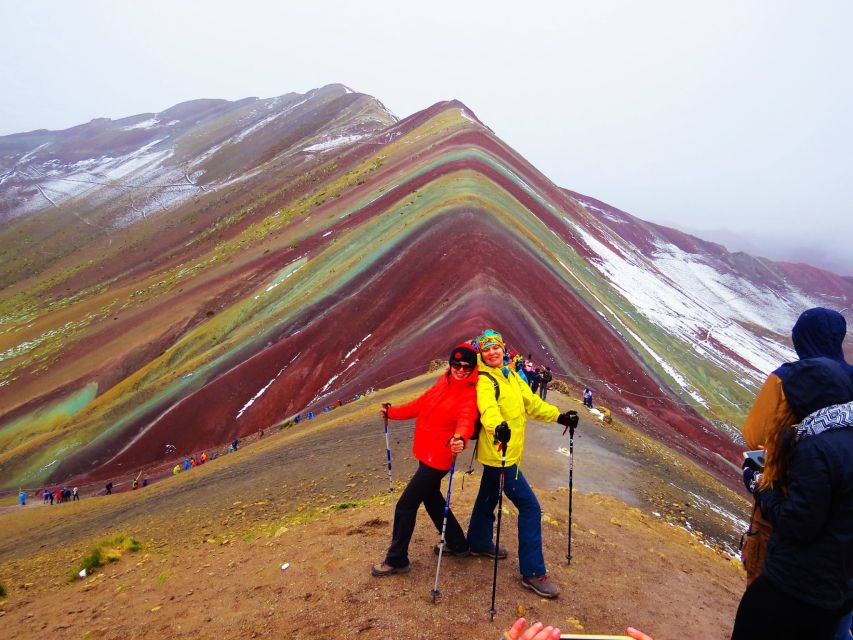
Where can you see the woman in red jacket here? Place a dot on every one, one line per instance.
(445, 417)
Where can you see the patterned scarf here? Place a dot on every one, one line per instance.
(837, 416)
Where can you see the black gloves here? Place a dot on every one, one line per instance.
(751, 476)
(502, 433)
(569, 419)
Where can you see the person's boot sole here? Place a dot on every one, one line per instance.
(549, 596)
(450, 552)
(489, 554)
(394, 571)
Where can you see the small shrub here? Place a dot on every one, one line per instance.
(105, 551)
(2, 591)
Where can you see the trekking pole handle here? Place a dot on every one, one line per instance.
(573, 421)
(502, 435)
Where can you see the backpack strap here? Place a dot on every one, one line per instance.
(474, 449)
(494, 383)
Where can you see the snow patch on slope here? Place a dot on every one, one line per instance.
(692, 301)
(145, 124)
(335, 142)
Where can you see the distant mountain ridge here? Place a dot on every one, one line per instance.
(328, 248)
(109, 173)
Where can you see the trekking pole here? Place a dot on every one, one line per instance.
(386, 406)
(503, 439)
(573, 423)
(435, 592)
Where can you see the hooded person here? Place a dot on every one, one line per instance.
(805, 589)
(787, 396)
(444, 422)
(505, 401)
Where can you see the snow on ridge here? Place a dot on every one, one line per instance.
(335, 377)
(604, 214)
(265, 387)
(355, 348)
(145, 124)
(464, 113)
(692, 301)
(26, 157)
(335, 142)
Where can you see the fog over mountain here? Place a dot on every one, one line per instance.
(782, 246)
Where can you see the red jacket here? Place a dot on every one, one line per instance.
(447, 408)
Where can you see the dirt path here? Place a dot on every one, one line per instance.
(316, 497)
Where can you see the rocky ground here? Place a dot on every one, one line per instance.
(650, 533)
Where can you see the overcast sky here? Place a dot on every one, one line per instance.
(707, 116)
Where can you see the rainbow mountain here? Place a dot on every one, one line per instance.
(171, 281)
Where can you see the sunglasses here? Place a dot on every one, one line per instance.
(461, 365)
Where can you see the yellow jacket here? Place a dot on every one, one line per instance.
(515, 403)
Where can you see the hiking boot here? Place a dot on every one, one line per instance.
(541, 585)
(382, 569)
(451, 552)
(490, 553)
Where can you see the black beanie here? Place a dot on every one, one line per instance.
(463, 353)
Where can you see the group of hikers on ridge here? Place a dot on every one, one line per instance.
(798, 551)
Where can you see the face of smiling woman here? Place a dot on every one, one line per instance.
(460, 370)
(493, 355)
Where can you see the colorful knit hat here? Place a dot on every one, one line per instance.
(488, 338)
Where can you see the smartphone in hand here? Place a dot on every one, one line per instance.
(756, 456)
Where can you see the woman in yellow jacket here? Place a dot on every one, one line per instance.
(502, 396)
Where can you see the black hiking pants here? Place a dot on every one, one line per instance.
(424, 487)
(543, 390)
(767, 612)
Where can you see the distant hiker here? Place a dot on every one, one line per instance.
(587, 398)
(145, 481)
(804, 590)
(297, 419)
(514, 402)
(75, 494)
(203, 458)
(544, 381)
(187, 464)
(192, 462)
(135, 484)
(109, 488)
(310, 417)
(176, 469)
(235, 443)
(22, 496)
(782, 401)
(535, 379)
(519, 369)
(445, 416)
